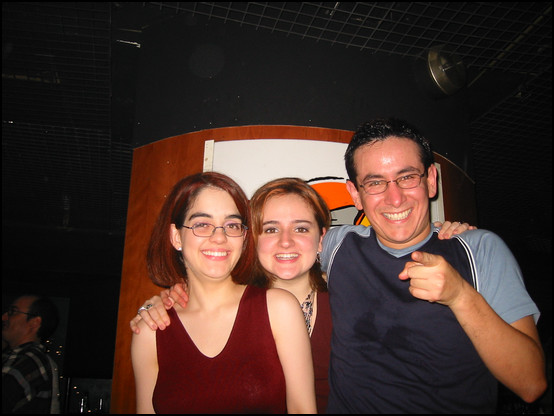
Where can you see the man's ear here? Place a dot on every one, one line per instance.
(354, 194)
(432, 180)
(35, 322)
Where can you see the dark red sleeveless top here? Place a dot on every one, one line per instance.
(321, 350)
(246, 376)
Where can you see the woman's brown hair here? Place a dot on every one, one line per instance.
(164, 262)
(280, 187)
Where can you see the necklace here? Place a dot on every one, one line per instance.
(308, 309)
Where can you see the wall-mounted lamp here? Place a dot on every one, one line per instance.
(441, 73)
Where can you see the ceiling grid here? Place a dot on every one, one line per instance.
(57, 141)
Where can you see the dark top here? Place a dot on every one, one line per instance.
(26, 380)
(392, 352)
(245, 377)
(321, 350)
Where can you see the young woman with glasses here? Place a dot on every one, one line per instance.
(235, 348)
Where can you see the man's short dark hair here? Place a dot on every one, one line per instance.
(381, 129)
(47, 310)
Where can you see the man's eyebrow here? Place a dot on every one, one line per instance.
(408, 169)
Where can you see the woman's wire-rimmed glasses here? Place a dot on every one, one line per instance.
(205, 229)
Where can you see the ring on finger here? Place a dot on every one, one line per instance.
(144, 308)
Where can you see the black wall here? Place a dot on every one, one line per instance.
(195, 74)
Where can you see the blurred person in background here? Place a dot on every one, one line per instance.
(30, 382)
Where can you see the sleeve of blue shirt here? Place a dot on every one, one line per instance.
(499, 277)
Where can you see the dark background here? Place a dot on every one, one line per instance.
(85, 83)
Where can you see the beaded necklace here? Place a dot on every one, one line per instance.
(308, 309)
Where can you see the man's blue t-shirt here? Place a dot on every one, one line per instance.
(394, 353)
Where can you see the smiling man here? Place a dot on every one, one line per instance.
(421, 325)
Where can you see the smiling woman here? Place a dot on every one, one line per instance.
(249, 339)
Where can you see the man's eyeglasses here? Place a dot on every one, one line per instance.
(374, 187)
(204, 229)
(12, 310)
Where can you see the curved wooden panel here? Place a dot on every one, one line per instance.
(156, 168)
(458, 192)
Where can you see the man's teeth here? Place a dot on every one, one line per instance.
(397, 216)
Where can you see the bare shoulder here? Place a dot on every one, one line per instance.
(282, 305)
(280, 296)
